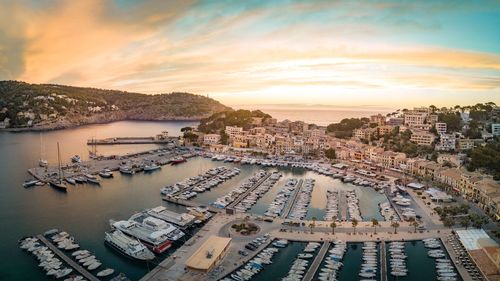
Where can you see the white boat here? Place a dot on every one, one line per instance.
(105, 272)
(128, 246)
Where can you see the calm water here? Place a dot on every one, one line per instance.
(85, 210)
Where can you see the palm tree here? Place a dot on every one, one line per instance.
(333, 225)
(414, 223)
(311, 226)
(354, 224)
(374, 225)
(395, 224)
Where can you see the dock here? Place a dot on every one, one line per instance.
(289, 207)
(187, 203)
(383, 262)
(342, 205)
(252, 188)
(317, 261)
(132, 140)
(67, 260)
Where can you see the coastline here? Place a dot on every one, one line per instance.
(63, 126)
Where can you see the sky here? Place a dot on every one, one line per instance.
(328, 53)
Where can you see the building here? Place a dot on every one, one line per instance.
(465, 144)
(495, 129)
(415, 118)
(395, 121)
(233, 130)
(447, 142)
(211, 139)
(209, 254)
(441, 127)
(378, 119)
(422, 137)
(432, 119)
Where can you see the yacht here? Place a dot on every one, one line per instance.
(151, 167)
(106, 173)
(30, 183)
(126, 170)
(76, 159)
(128, 246)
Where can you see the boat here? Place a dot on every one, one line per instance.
(58, 183)
(42, 162)
(30, 183)
(76, 159)
(177, 160)
(126, 170)
(105, 272)
(70, 181)
(151, 167)
(106, 174)
(156, 240)
(128, 246)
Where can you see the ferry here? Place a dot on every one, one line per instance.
(157, 241)
(128, 246)
(154, 224)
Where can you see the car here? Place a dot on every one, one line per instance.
(243, 253)
(268, 220)
(421, 227)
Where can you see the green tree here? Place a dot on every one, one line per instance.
(224, 138)
(333, 225)
(354, 224)
(448, 222)
(374, 225)
(395, 225)
(465, 222)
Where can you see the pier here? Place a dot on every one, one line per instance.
(317, 261)
(342, 205)
(187, 203)
(383, 262)
(132, 140)
(245, 194)
(289, 207)
(67, 260)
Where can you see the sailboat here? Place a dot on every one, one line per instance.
(42, 162)
(58, 183)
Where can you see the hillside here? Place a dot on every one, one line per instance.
(49, 106)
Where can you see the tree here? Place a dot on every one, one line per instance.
(224, 138)
(333, 225)
(354, 224)
(465, 222)
(374, 225)
(330, 154)
(311, 226)
(478, 221)
(395, 225)
(448, 222)
(414, 223)
(186, 129)
(452, 120)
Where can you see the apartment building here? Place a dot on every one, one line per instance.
(422, 137)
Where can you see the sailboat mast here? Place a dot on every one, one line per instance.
(59, 161)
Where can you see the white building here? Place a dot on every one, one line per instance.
(233, 130)
(211, 139)
(441, 127)
(447, 142)
(495, 129)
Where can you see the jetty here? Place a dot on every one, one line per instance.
(187, 203)
(317, 261)
(383, 262)
(160, 139)
(245, 194)
(67, 260)
(289, 207)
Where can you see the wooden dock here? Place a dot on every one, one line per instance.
(383, 262)
(289, 207)
(67, 260)
(317, 262)
(252, 188)
(342, 205)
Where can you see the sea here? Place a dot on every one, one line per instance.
(85, 210)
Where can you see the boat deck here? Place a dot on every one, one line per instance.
(67, 260)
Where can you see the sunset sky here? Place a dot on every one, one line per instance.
(344, 53)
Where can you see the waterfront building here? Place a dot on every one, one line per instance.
(209, 254)
(211, 139)
(421, 137)
(233, 130)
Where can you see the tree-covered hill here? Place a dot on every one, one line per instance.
(49, 105)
